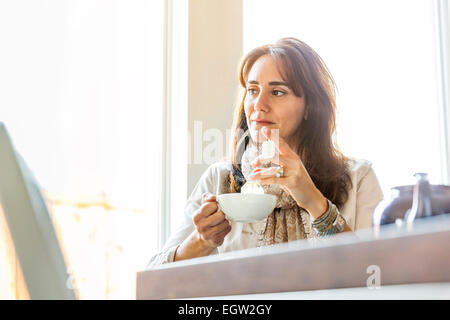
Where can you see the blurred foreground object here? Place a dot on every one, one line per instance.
(411, 202)
(35, 241)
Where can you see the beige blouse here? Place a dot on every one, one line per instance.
(358, 210)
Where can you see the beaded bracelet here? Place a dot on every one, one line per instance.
(330, 223)
(325, 221)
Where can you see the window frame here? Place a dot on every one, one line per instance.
(442, 40)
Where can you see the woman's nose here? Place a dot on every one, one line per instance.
(261, 103)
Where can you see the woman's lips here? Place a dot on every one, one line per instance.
(263, 123)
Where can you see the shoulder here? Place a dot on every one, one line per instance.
(359, 168)
(363, 196)
(363, 176)
(220, 166)
(217, 172)
(213, 180)
(217, 169)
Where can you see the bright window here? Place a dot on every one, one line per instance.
(81, 95)
(381, 55)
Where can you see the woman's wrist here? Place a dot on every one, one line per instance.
(317, 206)
(331, 222)
(193, 247)
(202, 244)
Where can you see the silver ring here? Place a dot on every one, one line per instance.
(280, 172)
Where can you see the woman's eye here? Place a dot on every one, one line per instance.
(252, 91)
(278, 93)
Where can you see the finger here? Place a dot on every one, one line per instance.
(271, 180)
(219, 237)
(263, 173)
(281, 161)
(208, 197)
(204, 219)
(260, 160)
(214, 219)
(208, 208)
(216, 230)
(221, 227)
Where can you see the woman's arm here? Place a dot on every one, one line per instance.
(296, 181)
(211, 227)
(192, 247)
(368, 196)
(183, 234)
(167, 253)
(318, 207)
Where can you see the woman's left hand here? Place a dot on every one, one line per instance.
(295, 180)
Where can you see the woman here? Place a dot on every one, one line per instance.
(287, 90)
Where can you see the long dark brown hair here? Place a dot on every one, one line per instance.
(307, 75)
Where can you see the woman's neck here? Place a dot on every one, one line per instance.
(293, 143)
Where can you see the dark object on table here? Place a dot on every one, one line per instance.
(411, 202)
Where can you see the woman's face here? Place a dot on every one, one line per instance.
(270, 102)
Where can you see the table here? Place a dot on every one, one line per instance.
(397, 261)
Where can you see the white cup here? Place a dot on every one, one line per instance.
(246, 207)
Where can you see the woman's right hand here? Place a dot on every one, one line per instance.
(210, 222)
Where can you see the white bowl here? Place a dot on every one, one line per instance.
(246, 207)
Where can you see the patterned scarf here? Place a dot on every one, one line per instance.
(288, 221)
